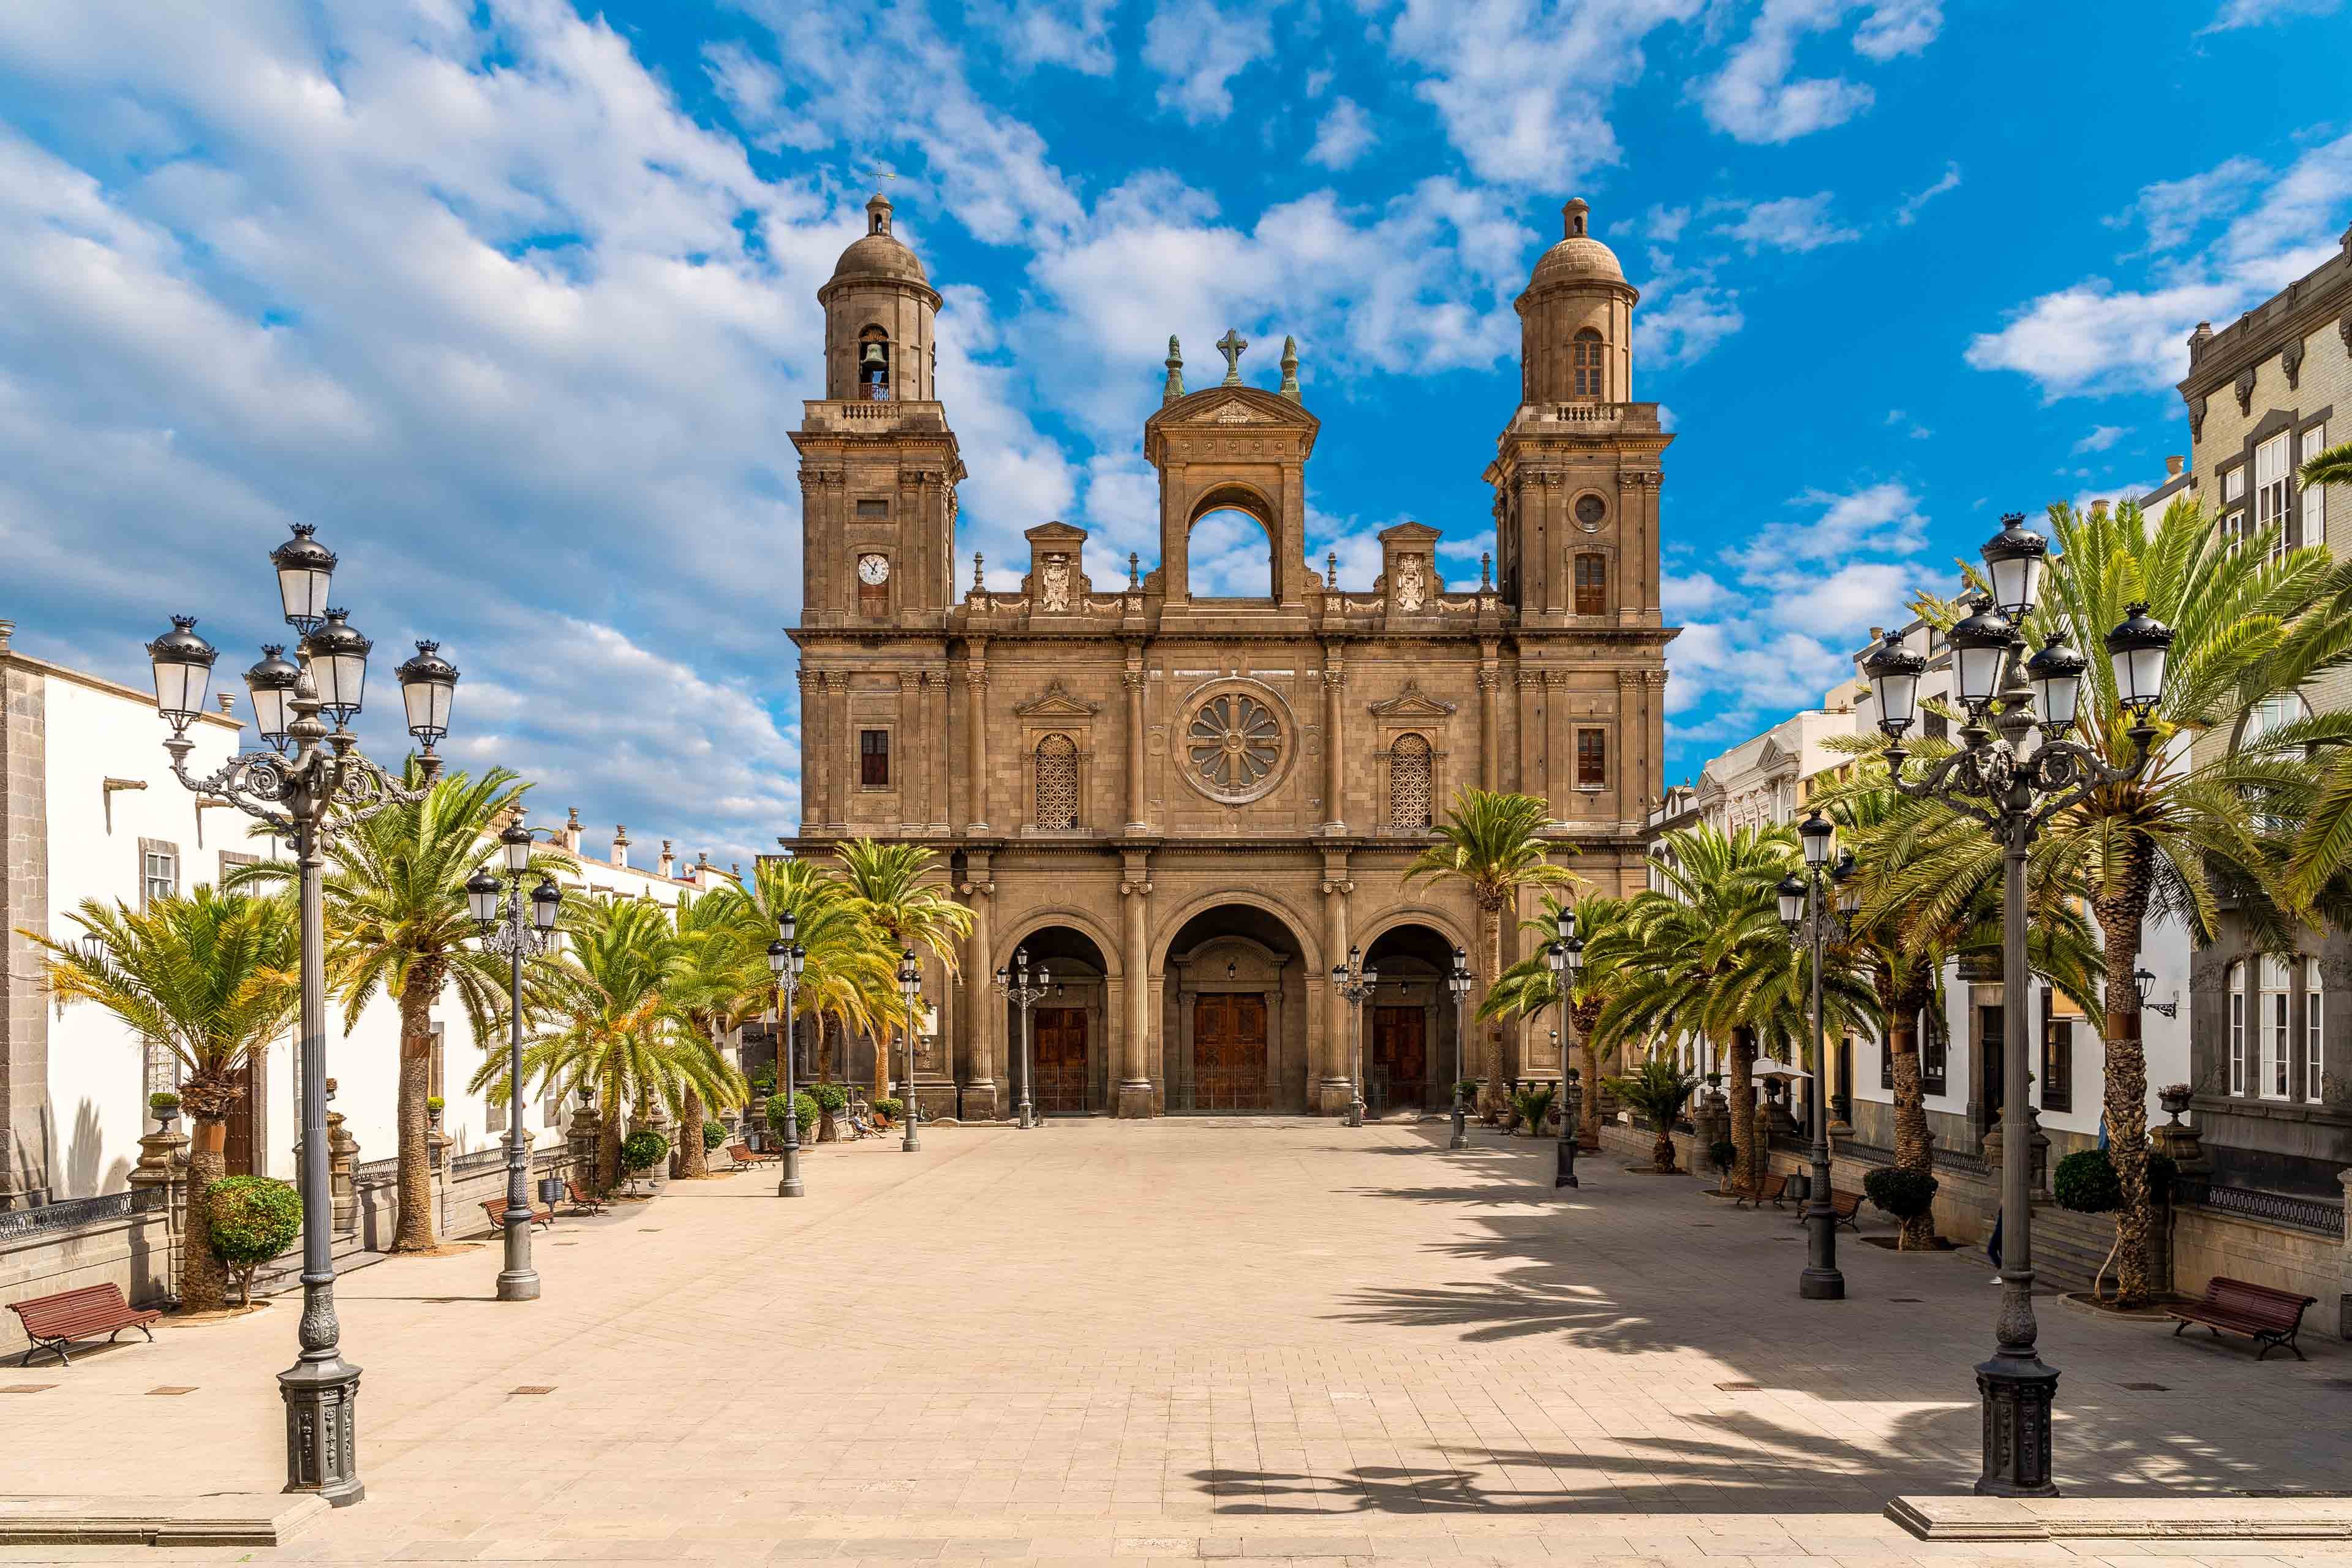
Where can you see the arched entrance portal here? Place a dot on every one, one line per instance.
(1409, 1022)
(1233, 1019)
(1068, 1070)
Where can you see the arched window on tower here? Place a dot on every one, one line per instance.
(873, 365)
(1058, 781)
(1410, 783)
(1586, 361)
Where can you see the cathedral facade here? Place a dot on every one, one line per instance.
(1188, 809)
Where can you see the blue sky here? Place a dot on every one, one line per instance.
(516, 302)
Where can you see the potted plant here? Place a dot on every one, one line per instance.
(2174, 1098)
(254, 1218)
(1531, 1105)
(434, 1106)
(642, 1151)
(1905, 1195)
(165, 1106)
(714, 1133)
(1657, 1090)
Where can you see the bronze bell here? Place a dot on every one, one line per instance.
(873, 356)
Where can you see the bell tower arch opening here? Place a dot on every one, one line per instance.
(1229, 547)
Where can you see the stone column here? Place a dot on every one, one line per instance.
(1135, 961)
(1490, 735)
(343, 1156)
(1531, 778)
(163, 1167)
(843, 740)
(935, 754)
(1133, 678)
(1559, 747)
(1334, 1085)
(814, 753)
(581, 1134)
(982, 1008)
(1625, 766)
(25, 1144)
(1335, 778)
(975, 722)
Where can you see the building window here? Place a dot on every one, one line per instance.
(433, 1073)
(159, 871)
(2314, 499)
(1409, 774)
(2057, 1055)
(1586, 362)
(1058, 781)
(1592, 759)
(2234, 495)
(1885, 1064)
(1934, 1057)
(2271, 492)
(234, 858)
(1937, 727)
(2237, 1028)
(874, 759)
(873, 365)
(2314, 1011)
(1591, 585)
(2278, 1043)
(869, 510)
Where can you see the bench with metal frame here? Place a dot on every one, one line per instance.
(52, 1322)
(2270, 1318)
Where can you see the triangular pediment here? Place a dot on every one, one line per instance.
(1411, 704)
(1055, 702)
(1219, 407)
(1409, 533)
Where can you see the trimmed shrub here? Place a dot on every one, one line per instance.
(643, 1150)
(1721, 1152)
(435, 1102)
(254, 1218)
(164, 1102)
(890, 1107)
(714, 1133)
(1903, 1195)
(831, 1096)
(805, 1112)
(1467, 1090)
(2085, 1183)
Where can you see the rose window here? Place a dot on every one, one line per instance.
(1234, 744)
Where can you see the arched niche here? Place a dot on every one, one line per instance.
(1229, 546)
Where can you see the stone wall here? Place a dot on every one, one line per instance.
(2207, 1242)
(127, 1243)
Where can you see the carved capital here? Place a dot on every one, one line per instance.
(1654, 677)
(1489, 679)
(1334, 679)
(836, 681)
(1554, 677)
(1134, 889)
(1338, 887)
(977, 889)
(1133, 679)
(1528, 677)
(1627, 679)
(976, 677)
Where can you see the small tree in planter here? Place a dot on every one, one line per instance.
(831, 1099)
(802, 1111)
(2085, 1183)
(1908, 1196)
(643, 1150)
(1533, 1105)
(1720, 1154)
(254, 1218)
(1658, 1089)
(714, 1133)
(889, 1108)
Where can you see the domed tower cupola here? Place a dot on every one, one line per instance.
(880, 310)
(1576, 320)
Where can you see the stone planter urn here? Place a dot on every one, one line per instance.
(2175, 1100)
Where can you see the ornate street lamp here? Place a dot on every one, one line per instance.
(1351, 982)
(788, 961)
(1458, 981)
(498, 912)
(2141, 980)
(1805, 907)
(1018, 989)
(318, 786)
(1566, 957)
(910, 980)
(1997, 778)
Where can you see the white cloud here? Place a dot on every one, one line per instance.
(1898, 27)
(1789, 223)
(2100, 438)
(1345, 135)
(1910, 427)
(1908, 212)
(1752, 99)
(1523, 87)
(2174, 210)
(1683, 328)
(1073, 33)
(2092, 338)
(1663, 224)
(2259, 13)
(1198, 48)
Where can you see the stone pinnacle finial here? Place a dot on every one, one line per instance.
(1485, 569)
(1331, 570)
(1574, 216)
(1290, 368)
(1134, 570)
(1175, 388)
(978, 561)
(1231, 346)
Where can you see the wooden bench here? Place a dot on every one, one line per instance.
(744, 1154)
(583, 1200)
(1845, 1209)
(540, 1215)
(1773, 1189)
(2270, 1318)
(51, 1322)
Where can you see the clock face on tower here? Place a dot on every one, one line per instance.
(874, 569)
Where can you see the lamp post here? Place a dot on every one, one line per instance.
(1351, 982)
(1017, 988)
(1999, 781)
(1458, 981)
(910, 980)
(1566, 957)
(511, 931)
(2141, 980)
(1805, 913)
(788, 961)
(296, 791)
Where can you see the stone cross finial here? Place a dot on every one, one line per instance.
(1231, 346)
(1175, 388)
(1290, 368)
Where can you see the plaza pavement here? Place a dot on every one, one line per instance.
(1181, 1340)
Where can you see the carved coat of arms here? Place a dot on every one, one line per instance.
(1055, 590)
(1412, 585)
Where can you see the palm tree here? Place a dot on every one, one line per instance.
(212, 976)
(717, 980)
(1528, 986)
(1658, 1088)
(2250, 623)
(613, 1029)
(1689, 959)
(1494, 844)
(891, 887)
(852, 975)
(397, 923)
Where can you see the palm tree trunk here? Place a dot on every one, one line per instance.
(1746, 1158)
(204, 1279)
(2121, 907)
(413, 1230)
(828, 1130)
(1490, 1093)
(693, 1160)
(1587, 1015)
(882, 1046)
(608, 1144)
(1913, 1145)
